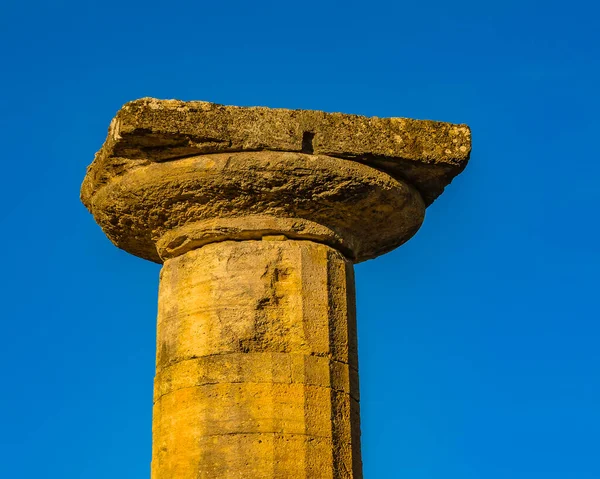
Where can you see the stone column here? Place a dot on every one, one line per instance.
(258, 216)
(257, 363)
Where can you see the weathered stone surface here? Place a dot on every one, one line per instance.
(183, 204)
(258, 215)
(427, 154)
(257, 364)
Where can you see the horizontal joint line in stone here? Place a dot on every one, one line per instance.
(274, 433)
(215, 383)
(310, 355)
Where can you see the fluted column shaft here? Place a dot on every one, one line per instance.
(257, 363)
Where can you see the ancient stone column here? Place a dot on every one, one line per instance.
(258, 216)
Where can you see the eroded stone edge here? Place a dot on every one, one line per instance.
(428, 154)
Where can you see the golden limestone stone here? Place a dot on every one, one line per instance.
(258, 215)
(256, 363)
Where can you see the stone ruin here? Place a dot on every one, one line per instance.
(258, 216)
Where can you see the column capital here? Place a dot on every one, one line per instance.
(173, 176)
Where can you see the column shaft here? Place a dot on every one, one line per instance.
(256, 373)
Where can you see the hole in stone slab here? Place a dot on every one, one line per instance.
(307, 142)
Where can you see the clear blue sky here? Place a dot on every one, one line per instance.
(479, 339)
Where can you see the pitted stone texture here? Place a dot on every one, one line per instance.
(257, 364)
(189, 202)
(427, 154)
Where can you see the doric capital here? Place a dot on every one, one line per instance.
(173, 176)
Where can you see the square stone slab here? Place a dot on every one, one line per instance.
(426, 154)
